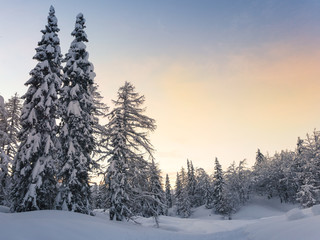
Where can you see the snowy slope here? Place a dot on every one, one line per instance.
(253, 222)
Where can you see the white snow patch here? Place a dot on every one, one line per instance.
(259, 207)
(316, 210)
(4, 209)
(203, 225)
(295, 214)
(74, 108)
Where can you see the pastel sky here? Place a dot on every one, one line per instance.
(221, 77)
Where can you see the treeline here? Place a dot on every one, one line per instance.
(291, 176)
(53, 144)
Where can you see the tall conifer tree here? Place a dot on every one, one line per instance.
(4, 158)
(127, 173)
(13, 108)
(155, 198)
(168, 192)
(34, 185)
(191, 183)
(218, 186)
(76, 134)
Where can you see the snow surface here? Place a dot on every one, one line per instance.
(258, 220)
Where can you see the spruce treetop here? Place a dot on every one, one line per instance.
(78, 31)
(49, 46)
(78, 69)
(52, 21)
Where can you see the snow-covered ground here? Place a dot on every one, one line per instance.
(259, 220)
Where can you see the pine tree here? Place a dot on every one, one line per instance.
(4, 137)
(155, 198)
(104, 196)
(13, 108)
(236, 190)
(260, 158)
(218, 187)
(178, 194)
(299, 146)
(94, 195)
(307, 195)
(4, 158)
(127, 173)
(34, 183)
(168, 192)
(182, 197)
(307, 167)
(260, 174)
(191, 184)
(97, 195)
(233, 185)
(9, 129)
(4, 178)
(203, 194)
(226, 207)
(76, 134)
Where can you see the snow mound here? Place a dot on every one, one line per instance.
(4, 209)
(295, 214)
(63, 225)
(259, 207)
(315, 210)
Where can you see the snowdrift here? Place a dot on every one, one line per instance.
(252, 222)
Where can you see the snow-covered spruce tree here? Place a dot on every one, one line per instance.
(155, 197)
(191, 183)
(4, 178)
(223, 201)
(4, 158)
(9, 129)
(307, 166)
(237, 183)
(218, 186)
(182, 196)
(260, 158)
(13, 108)
(34, 183)
(127, 139)
(168, 193)
(98, 196)
(178, 194)
(260, 174)
(308, 195)
(203, 189)
(94, 195)
(4, 138)
(285, 172)
(299, 146)
(236, 190)
(76, 132)
(226, 207)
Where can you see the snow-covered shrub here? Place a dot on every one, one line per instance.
(295, 214)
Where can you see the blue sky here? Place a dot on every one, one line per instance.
(221, 78)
